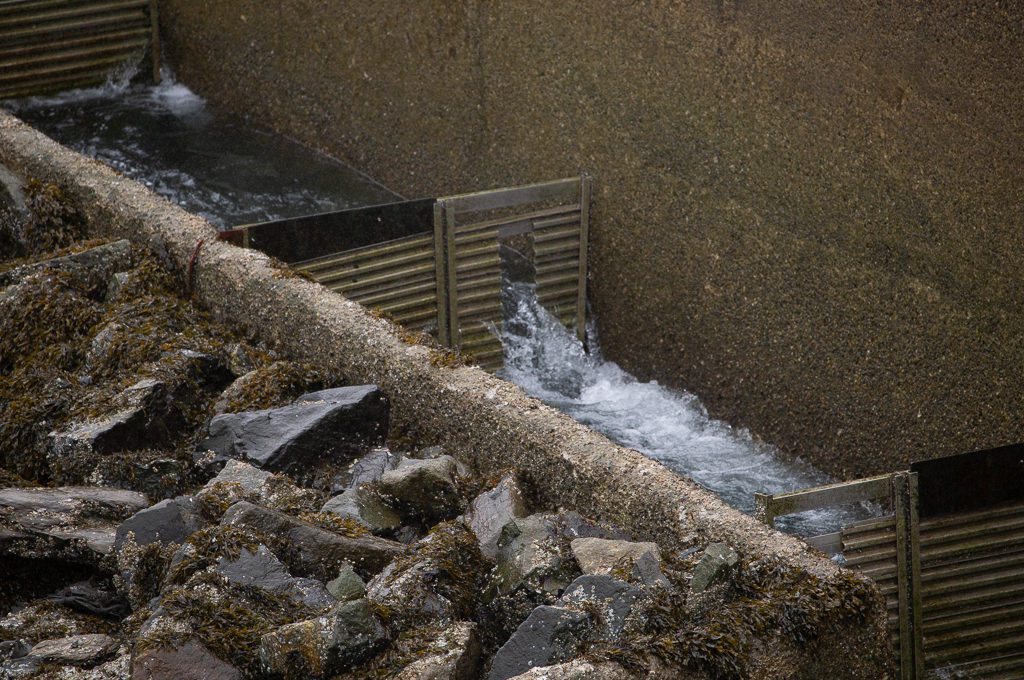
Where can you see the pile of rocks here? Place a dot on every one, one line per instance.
(178, 504)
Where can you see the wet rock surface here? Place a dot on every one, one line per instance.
(236, 562)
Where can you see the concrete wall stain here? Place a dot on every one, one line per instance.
(810, 215)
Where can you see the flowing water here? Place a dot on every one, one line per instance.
(166, 137)
(670, 426)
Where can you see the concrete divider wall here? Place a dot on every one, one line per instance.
(807, 213)
(485, 421)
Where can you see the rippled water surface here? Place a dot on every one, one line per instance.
(667, 425)
(166, 137)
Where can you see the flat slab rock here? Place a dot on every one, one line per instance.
(314, 551)
(548, 636)
(329, 425)
(190, 661)
(78, 650)
(73, 520)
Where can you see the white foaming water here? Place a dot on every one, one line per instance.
(670, 426)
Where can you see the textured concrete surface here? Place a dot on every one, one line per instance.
(482, 420)
(807, 213)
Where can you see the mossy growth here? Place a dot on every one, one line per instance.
(228, 619)
(53, 221)
(408, 646)
(346, 526)
(449, 358)
(206, 547)
(278, 384)
(449, 564)
(767, 599)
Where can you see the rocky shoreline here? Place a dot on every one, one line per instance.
(181, 503)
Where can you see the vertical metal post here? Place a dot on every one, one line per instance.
(154, 42)
(763, 510)
(441, 281)
(908, 574)
(581, 300)
(454, 335)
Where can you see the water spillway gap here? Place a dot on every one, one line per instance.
(166, 137)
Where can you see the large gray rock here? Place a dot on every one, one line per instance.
(365, 507)
(310, 550)
(69, 523)
(548, 636)
(324, 646)
(584, 669)
(263, 571)
(423, 489)
(492, 510)
(715, 564)
(190, 661)
(533, 552)
(439, 581)
(454, 655)
(170, 521)
(346, 585)
(327, 426)
(615, 600)
(602, 556)
(78, 650)
(249, 477)
(371, 467)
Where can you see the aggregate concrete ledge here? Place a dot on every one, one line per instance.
(481, 419)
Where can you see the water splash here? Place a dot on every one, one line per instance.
(670, 426)
(166, 137)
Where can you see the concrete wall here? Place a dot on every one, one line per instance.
(808, 213)
(486, 422)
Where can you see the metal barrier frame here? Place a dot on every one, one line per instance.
(900, 489)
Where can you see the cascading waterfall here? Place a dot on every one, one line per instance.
(670, 426)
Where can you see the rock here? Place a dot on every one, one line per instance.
(371, 467)
(263, 571)
(169, 521)
(347, 585)
(492, 510)
(190, 661)
(549, 635)
(615, 600)
(455, 655)
(320, 647)
(96, 265)
(423, 489)
(25, 667)
(77, 524)
(250, 478)
(239, 359)
(13, 649)
(582, 669)
(89, 598)
(320, 427)
(533, 553)
(440, 581)
(365, 507)
(718, 559)
(311, 550)
(117, 288)
(602, 556)
(79, 650)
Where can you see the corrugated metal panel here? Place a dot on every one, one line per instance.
(53, 45)
(555, 214)
(398, 278)
(972, 583)
(972, 573)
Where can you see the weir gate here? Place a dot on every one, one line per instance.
(948, 556)
(435, 265)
